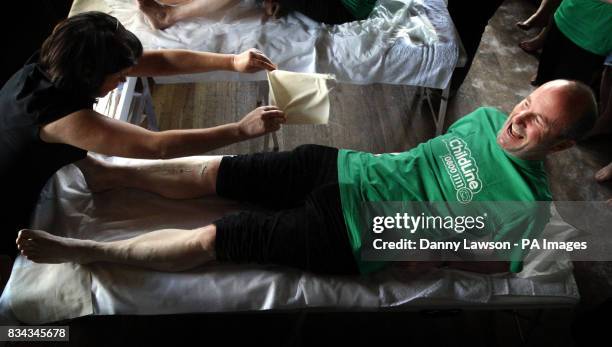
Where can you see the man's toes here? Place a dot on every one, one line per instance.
(30, 248)
(24, 248)
(26, 233)
(31, 254)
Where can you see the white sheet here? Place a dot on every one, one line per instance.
(67, 208)
(408, 42)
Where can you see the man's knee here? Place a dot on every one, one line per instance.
(310, 152)
(206, 238)
(307, 149)
(207, 174)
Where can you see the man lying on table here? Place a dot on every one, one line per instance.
(313, 193)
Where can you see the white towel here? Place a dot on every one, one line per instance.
(304, 97)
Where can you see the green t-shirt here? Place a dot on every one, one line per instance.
(587, 23)
(420, 174)
(361, 9)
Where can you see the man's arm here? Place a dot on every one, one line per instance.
(175, 61)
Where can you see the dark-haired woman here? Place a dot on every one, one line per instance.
(47, 120)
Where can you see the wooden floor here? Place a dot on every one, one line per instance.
(375, 118)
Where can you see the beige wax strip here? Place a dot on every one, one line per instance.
(304, 97)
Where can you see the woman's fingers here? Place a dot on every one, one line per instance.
(260, 60)
(275, 116)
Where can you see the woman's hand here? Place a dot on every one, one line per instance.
(252, 60)
(260, 121)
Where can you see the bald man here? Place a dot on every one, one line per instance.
(315, 192)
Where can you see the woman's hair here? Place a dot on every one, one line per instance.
(84, 49)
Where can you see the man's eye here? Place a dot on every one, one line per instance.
(539, 121)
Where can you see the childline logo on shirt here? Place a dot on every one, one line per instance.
(462, 169)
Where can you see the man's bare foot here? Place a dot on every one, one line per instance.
(158, 15)
(604, 174)
(98, 175)
(42, 247)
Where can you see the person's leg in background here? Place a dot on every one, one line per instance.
(163, 14)
(563, 59)
(541, 17)
(470, 20)
(604, 123)
(535, 43)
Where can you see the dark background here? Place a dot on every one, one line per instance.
(26, 24)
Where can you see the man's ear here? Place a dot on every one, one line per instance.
(565, 144)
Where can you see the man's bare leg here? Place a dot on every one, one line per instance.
(163, 16)
(541, 17)
(175, 178)
(164, 250)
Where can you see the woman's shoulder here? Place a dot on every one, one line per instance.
(30, 94)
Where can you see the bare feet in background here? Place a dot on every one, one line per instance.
(158, 15)
(541, 17)
(537, 20)
(534, 44)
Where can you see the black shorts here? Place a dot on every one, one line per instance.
(303, 225)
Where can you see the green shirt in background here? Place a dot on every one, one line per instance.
(420, 174)
(587, 23)
(361, 9)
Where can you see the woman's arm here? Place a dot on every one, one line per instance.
(94, 132)
(175, 61)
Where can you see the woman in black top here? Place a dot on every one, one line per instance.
(47, 120)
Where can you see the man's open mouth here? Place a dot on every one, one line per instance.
(514, 133)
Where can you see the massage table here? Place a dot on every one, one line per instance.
(45, 293)
(403, 42)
